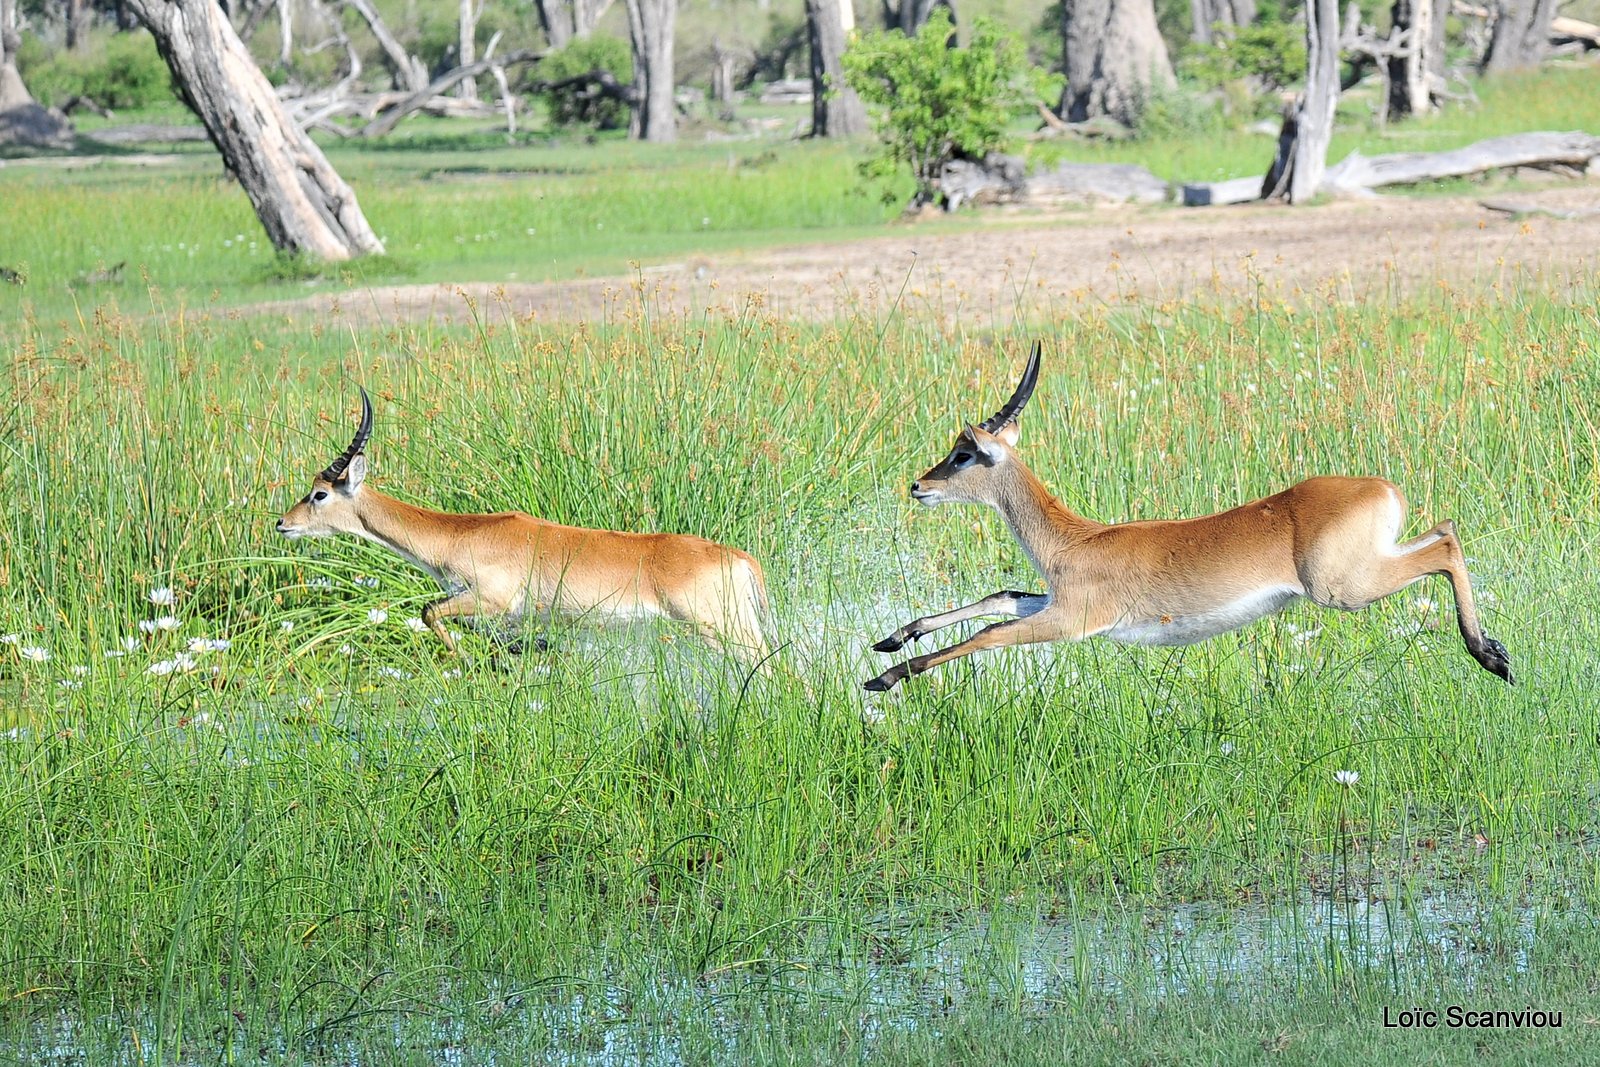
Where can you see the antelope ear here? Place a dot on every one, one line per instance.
(991, 447)
(1009, 432)
(354, 474)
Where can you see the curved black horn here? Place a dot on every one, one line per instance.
(1019, 399)
(363, 432)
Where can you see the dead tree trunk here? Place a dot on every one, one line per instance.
(304, 206)
(1208, 14)
(1521, 35)
(467, 47)
(77, 24)
(651, 26)
(836, 110)
(1416, 74)
(909, 16)
(409, 74)
(1114, 57)
(1302, 158)
(285, 32)
(565, 21)
(12, 92)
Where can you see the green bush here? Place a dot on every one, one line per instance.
(937, 103)
(123, 70)
(579, 105)
(1271, 53)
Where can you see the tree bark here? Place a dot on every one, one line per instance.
(77, 24)
(1208, 14)
(285, 32)
(467, 47)
(1114, 58)
(1521, 35)
(651, 26)
(1416, 75)
(909, 16)
(565, 21)
(304, 206)
(12, 92)
(836, 110)
(1302, 159)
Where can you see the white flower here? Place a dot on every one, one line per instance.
(319, 582)
(80, 670)
(181, 662)
(287, 626)
(115, 653)
(209, 644)
(34, 652)
(1347, 778)
(1226, 748)
(416, 625)
(165, 622)
(347, 649)
(10, 639)
(130, 643)
(163, 596)
(69, 683)
(365, 583)
(377, 615)
(453, 672)
(394, 672)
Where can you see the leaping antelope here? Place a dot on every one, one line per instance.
(510, 564)
(1175, 582)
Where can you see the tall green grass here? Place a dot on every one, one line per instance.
(332, 822)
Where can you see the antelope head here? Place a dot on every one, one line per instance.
(330, 507)
(963, 476)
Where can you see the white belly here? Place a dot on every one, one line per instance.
(1199, 625)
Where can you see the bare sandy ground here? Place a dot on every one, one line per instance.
(1016, 265)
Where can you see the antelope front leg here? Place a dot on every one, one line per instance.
(463, 605)
(1005, 602)
(1045, 626)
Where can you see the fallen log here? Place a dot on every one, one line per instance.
(1358, 174)
(1003, 179)
(444, 82)
(1524, 207)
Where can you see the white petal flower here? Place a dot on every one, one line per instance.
(79, 669)
(163, 596)
(417, 625)
(69, 683)
(377, 615)
(34, 652)
(209, 644)
(287, 626)
(10, 639)
(1347, 778)
(130, 643)
(167, 622)
(347, 649)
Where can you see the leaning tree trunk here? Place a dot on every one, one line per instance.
(1416, 74)
(1209, 14)
(1114, 58)
(304, 206)
(836, 110)
(1521, 35)
(909, 16)
(655, 112)
(409, 74)
(1302, 158)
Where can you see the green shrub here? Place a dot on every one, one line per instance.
(122, 71)
(1271, 53)
(579, 105)
(937, 103)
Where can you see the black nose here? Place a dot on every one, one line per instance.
(280, 526)
(915, 486)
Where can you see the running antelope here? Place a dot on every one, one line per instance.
(1175, 582)
(510, 564)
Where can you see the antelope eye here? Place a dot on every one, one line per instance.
(319, 496)
(962, 458)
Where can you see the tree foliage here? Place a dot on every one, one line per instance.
(580, 105)
(1271, 53)
(936, 102)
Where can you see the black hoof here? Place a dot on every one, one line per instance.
(888, 644)
(882, 683)
(1496, 660)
